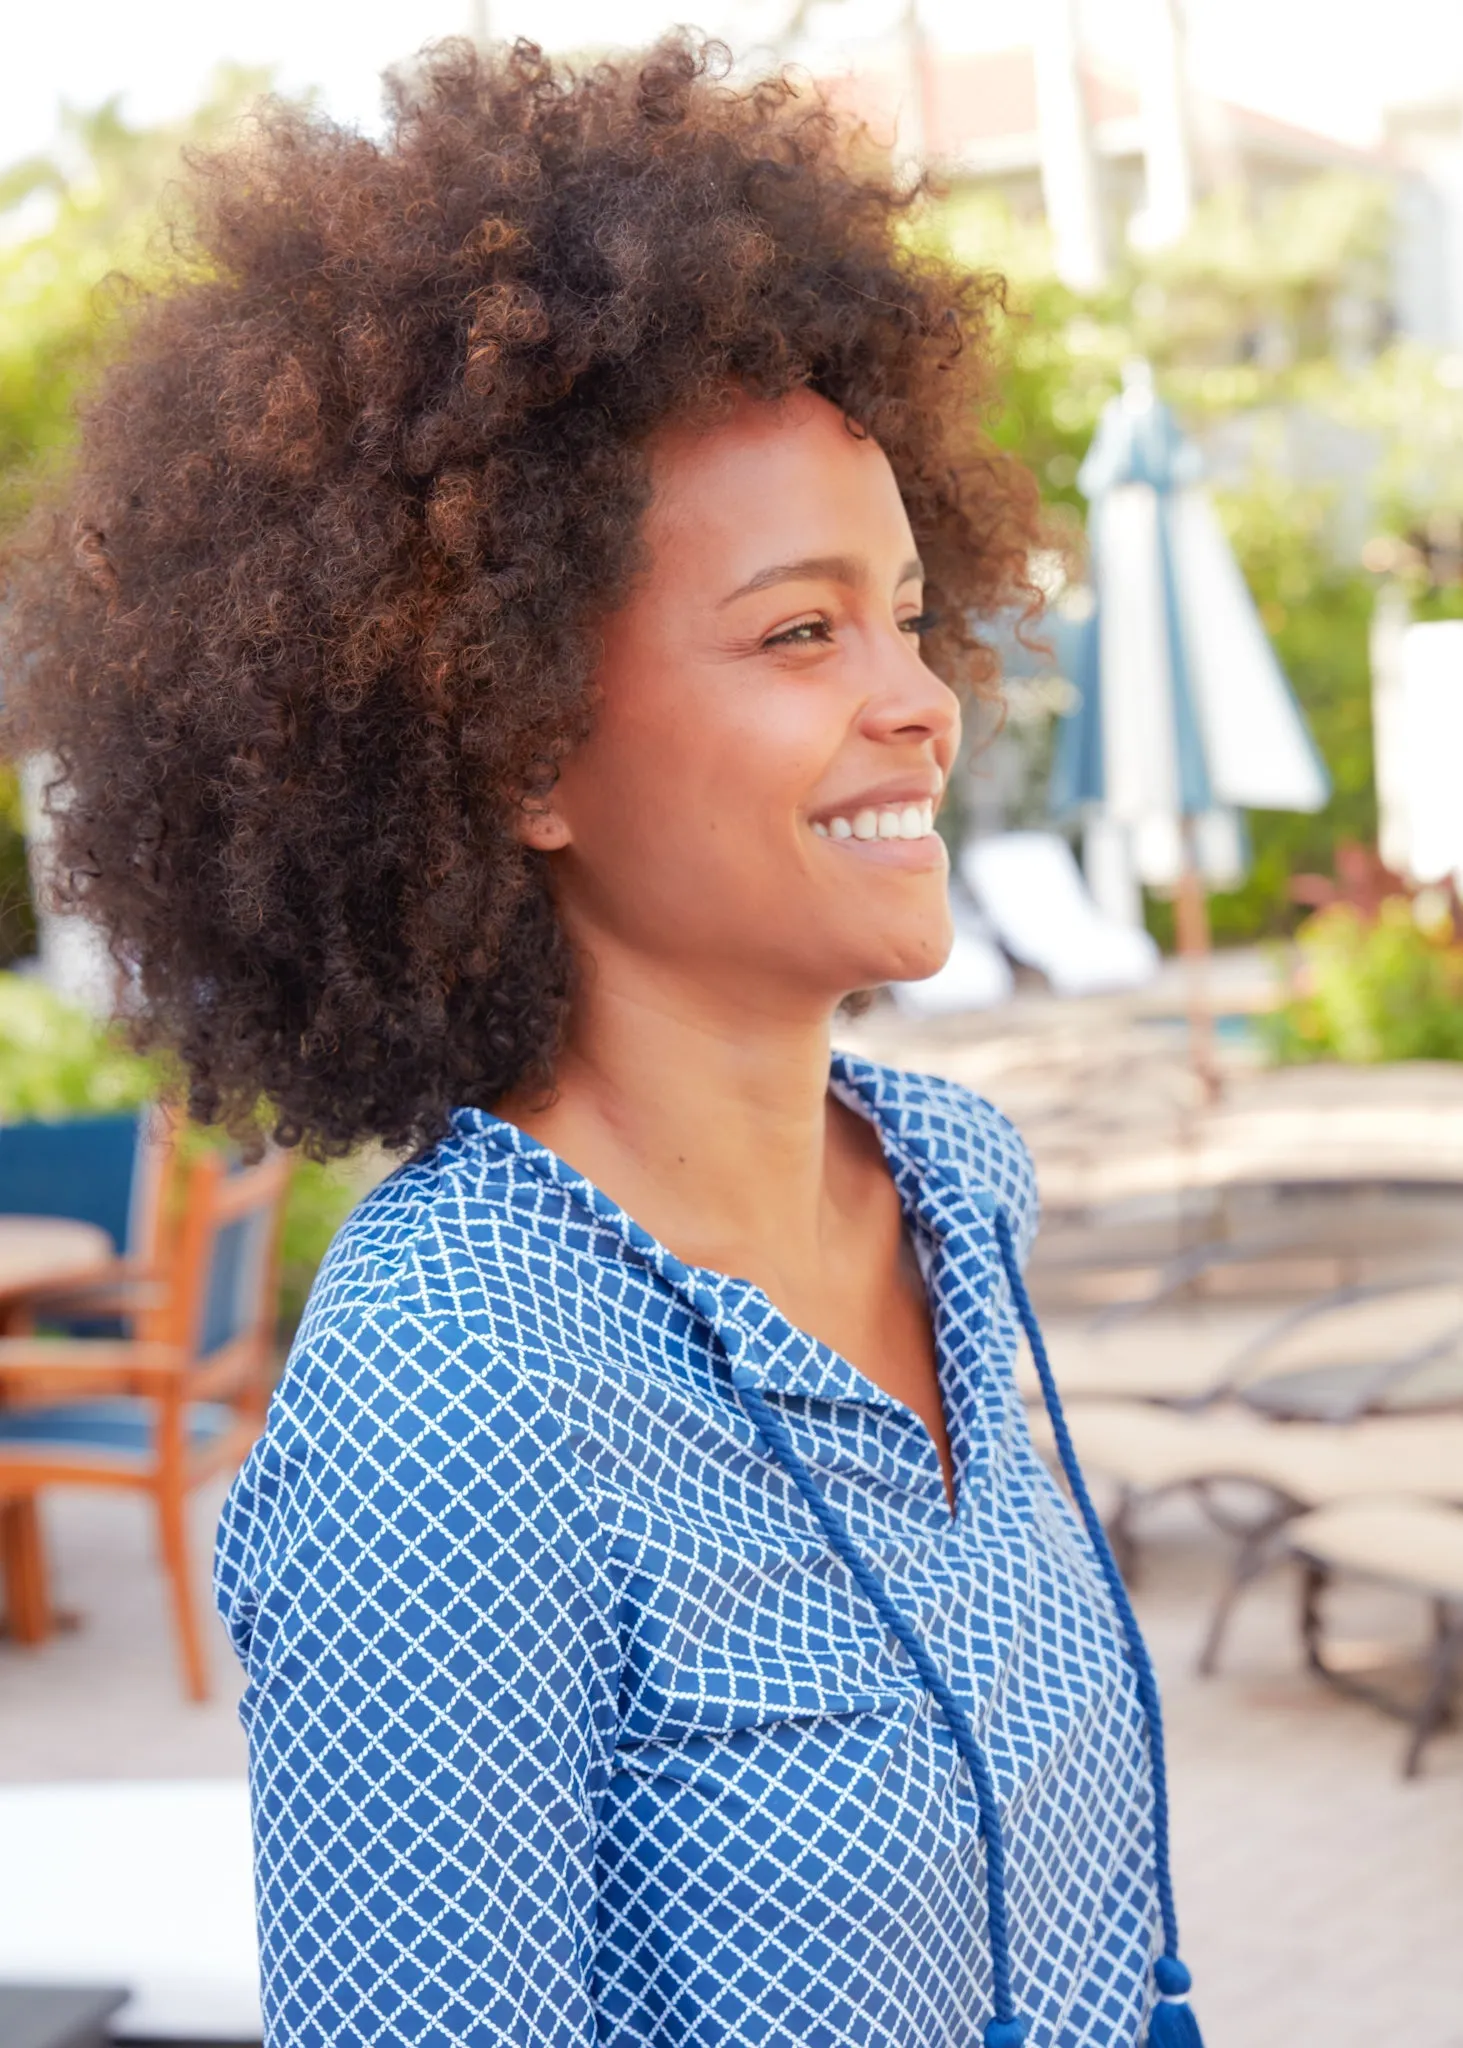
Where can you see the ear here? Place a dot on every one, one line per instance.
(539, 825)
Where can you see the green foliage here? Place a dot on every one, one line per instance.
(1318, 614)
(1248, 312)
(1371, 990)
(95, 201)
(17, 914)
(1265, 314)
(56, 1061)
(1408, 403)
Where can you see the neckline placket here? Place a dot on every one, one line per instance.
(786, 1359)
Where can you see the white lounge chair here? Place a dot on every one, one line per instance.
(1030, 887)
(144, 1885)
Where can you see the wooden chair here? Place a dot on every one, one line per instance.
(116, 1171)
(23, 1568)
(181, 1400)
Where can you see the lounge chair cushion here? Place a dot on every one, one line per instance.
(1413, 1543)
(120, 1423)
(1312, 1463)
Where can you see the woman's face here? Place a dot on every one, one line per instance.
(753, 805)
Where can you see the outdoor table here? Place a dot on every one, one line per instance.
(38, 1254)
(41, 1253)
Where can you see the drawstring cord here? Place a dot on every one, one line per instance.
(1173, 2024)
(1007, 2029)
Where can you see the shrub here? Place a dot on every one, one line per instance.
(56, 1061)
(1389, 988)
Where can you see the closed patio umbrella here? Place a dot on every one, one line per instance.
(1185, 717)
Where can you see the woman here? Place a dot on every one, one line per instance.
(500, 667)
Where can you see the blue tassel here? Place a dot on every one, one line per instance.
(1173, 2024)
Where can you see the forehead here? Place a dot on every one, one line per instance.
(773, 481)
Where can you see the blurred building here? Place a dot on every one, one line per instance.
(1109, 159)
(1425, 150)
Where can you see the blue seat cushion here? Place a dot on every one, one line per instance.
(121, 1422)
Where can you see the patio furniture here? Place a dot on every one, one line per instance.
(1415, 1545)
(161, 1412)
(50, 2016)
(1032, 891)
(1387, 1347)
(147, 1885)
(27, 1613)
(1147, 1451)
(38, 1253)
(111, 1175)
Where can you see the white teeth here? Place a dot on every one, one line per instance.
(906, 821)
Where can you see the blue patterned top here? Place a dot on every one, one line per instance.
(567, 1727)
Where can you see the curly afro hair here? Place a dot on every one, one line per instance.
(315, 607)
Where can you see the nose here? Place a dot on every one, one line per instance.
(907, 700)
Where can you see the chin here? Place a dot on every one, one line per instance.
(911, 955)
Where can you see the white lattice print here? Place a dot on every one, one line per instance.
(566, 1725)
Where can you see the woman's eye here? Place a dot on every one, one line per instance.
(922, 622)
(806, 633)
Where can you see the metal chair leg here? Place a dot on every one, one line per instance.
(1253, 1557)
(1445, 1665)
(1314, 1580)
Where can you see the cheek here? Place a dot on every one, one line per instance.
(709, 776)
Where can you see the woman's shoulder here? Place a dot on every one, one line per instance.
(460, 1201)
(407, 1334)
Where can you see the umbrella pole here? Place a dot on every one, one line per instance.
(1191, 906)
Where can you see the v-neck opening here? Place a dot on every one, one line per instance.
(840, 1378)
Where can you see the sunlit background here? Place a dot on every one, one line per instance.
(1335, 68)
(1210, 950)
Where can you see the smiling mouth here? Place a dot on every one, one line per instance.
(889, 821)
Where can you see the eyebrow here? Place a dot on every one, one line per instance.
(818, 569)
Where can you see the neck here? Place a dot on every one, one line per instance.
(703, 1112)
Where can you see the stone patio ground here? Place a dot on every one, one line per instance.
(1322, 1897)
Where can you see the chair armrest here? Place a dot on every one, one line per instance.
(67, 1368)
(122, 1288)
(1239, 1369)
(1345, 1393)
(127, 1298)
(1176, 1274)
